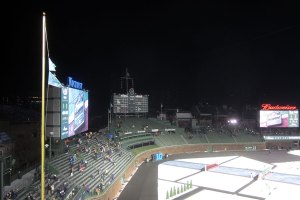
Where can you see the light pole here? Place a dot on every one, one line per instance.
(50, 152)
(161, 106)
(108, 117)
(110, 111)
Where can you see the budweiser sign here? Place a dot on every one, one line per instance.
(277, 107)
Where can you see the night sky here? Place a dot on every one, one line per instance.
(222, 52)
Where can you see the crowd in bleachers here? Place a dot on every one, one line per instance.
(11, 195)
(231, 130)
(223, 132)
(88, 152)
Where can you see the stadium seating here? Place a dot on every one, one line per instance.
(90, 176)
(134, 132)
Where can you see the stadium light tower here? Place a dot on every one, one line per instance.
(232, 121)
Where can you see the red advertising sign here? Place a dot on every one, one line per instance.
(277, 107)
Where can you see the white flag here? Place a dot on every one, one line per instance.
(51, 66)
(52, 80)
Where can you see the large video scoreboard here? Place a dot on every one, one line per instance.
(130, 103)
(74, 111)
(279, 116)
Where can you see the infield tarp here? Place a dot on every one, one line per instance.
(285, 178)
(185, 164)
(235, 171)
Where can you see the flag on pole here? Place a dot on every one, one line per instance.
(52, 80)
(161, 105)
(51, 66)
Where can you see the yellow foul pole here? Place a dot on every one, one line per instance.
(43, 111)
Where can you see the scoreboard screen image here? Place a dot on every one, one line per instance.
(74, 112)
(279, 118)
(123, 103)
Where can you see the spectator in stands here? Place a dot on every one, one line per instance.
(30, 196)
(81, 168)
(74, 157)
(48, 188)
(65, 186)
(97, 190)
(62, 192)
(87, 188)
(112, 177)
(52, 188)
(72, 171)
(105, 173)
(10, 195)
(120, 153)
(49, 176)
(54, 177)
(71, 161)
(112, 161)
(102, 186)
(66, 148)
